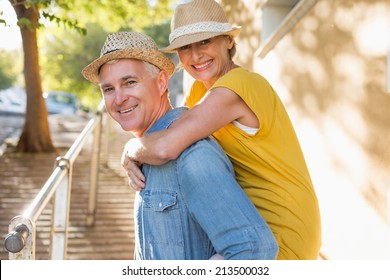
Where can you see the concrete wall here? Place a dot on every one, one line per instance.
(331, 72)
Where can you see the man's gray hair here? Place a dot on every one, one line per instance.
(152, 70)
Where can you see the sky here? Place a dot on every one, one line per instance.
(10, 37)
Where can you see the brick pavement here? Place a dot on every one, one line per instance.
(22, 176)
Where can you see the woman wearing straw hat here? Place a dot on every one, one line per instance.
(245, 115)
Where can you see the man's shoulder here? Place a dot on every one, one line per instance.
(204, 162)
(206, 148)
(166, 120)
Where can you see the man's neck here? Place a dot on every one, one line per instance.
(165, 108)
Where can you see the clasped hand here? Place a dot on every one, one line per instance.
(132, 166)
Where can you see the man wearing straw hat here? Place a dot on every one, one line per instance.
(191, 207)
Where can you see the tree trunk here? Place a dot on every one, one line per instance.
(35, 136)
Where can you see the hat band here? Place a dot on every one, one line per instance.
(110, 51)
(205, 26)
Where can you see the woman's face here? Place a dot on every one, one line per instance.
(207, 60)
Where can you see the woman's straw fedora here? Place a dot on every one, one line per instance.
(128, 45)
(196, 21)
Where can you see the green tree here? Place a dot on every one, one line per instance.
(64, 55)
(70, 14)
(35, 135)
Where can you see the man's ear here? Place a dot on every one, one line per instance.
(163, 81)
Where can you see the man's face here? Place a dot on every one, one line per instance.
(132, 95)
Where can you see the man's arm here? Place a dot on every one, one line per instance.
(220, 206)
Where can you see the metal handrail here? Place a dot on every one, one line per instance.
(20, 242)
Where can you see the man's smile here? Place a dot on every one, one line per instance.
(127, 110)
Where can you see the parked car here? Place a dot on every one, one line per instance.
(60, 102)
(13, 100)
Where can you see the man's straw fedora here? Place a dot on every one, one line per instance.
(128, 45)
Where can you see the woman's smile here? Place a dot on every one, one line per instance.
(202, 66)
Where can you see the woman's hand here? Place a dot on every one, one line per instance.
(132, 166)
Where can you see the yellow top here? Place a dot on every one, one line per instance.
(270, 165)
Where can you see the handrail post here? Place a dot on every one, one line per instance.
(105, 141)
(20, 242)
(94, 173)
(61, 205)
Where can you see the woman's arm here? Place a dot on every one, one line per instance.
(218, 108)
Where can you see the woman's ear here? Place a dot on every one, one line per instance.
(230, 42)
